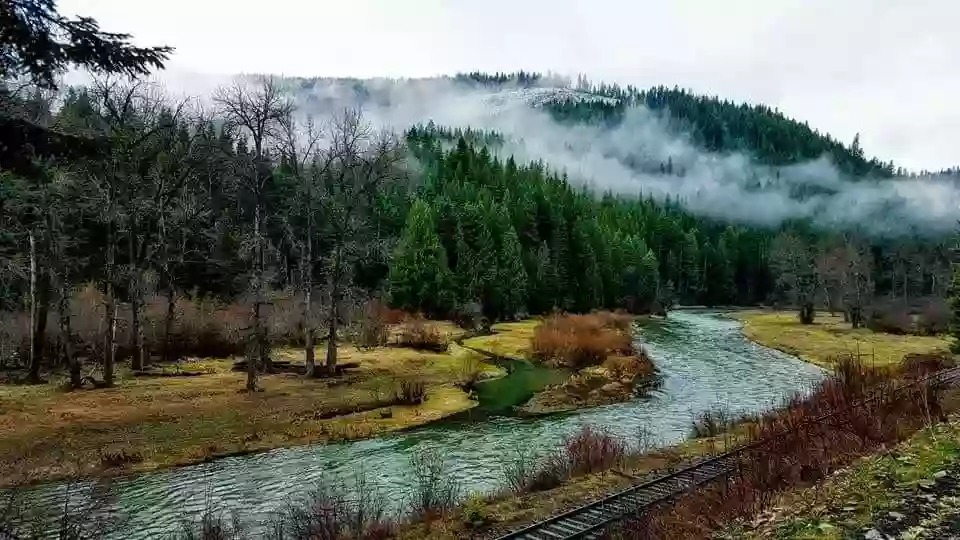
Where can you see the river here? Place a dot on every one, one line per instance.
(702, 357)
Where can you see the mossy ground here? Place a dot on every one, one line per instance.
(47, 433)
(829, 337)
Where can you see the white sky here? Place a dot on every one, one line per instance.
(889, 69)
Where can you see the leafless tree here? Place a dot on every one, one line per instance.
(358, 164)
(857, 281)
(299, 146)
(256, 112)
(141, 124)
(793, 265)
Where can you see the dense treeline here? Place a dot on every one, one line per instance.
(245, 201)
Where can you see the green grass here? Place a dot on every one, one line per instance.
(829, 337)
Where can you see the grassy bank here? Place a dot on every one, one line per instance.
(829, 338)
(147, 423)
(499, 513)
(907, 492)
(509, 339)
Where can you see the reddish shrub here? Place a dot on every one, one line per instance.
(578, 341)
(418, 333)
(586, 451)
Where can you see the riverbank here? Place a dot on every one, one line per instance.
(829, 338)
(910, 491)
(499, 513)
(149, 423)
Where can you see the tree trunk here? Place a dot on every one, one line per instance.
(256, 354)
(307, 281)
(110, 343)
(136, 308)
(34, 376)
(67, 332)
(40, 332)
(333, 316)
(168, 320)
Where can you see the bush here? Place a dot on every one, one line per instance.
(934, 318)
(411, 392)
(468, 315)
(474, 513)
(890, 319)
(435, 492)
(711, 422)
(334, 512)
(417, 333)
(587, 451)
(212, 526)
(578, 341)
(372, 329)
(628, 367)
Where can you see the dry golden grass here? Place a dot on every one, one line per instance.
(46, 433)
(511, 339)
(829, 338)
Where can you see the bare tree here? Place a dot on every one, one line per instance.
(857, 281)
(795, 271)
(255, 113)
(299, 147)
(140, 123)
(357, 165)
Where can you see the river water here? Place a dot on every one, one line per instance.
(702, 357)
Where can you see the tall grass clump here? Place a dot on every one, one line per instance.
(434, 491)
(589, 450)
(335, 511)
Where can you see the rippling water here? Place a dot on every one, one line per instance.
(703, 359)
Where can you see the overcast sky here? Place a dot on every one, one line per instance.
(889, 69)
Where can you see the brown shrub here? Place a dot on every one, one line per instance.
(411, 392)
(372, 327)
(934, 317)
(418, 333)
(628, 367)
(577, 341)
(890, 319)
(586, 451)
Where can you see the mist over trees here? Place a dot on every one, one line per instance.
(250, 197)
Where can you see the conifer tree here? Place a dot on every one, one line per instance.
(419, 276)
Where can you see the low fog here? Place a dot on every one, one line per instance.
(626, 159)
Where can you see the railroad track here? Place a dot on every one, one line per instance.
(591, 520)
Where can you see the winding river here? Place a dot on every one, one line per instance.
(702, 357)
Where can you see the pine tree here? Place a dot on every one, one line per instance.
(512, 277)
(419, 277)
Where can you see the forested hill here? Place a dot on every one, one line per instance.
(714, 124)
(467, 225)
